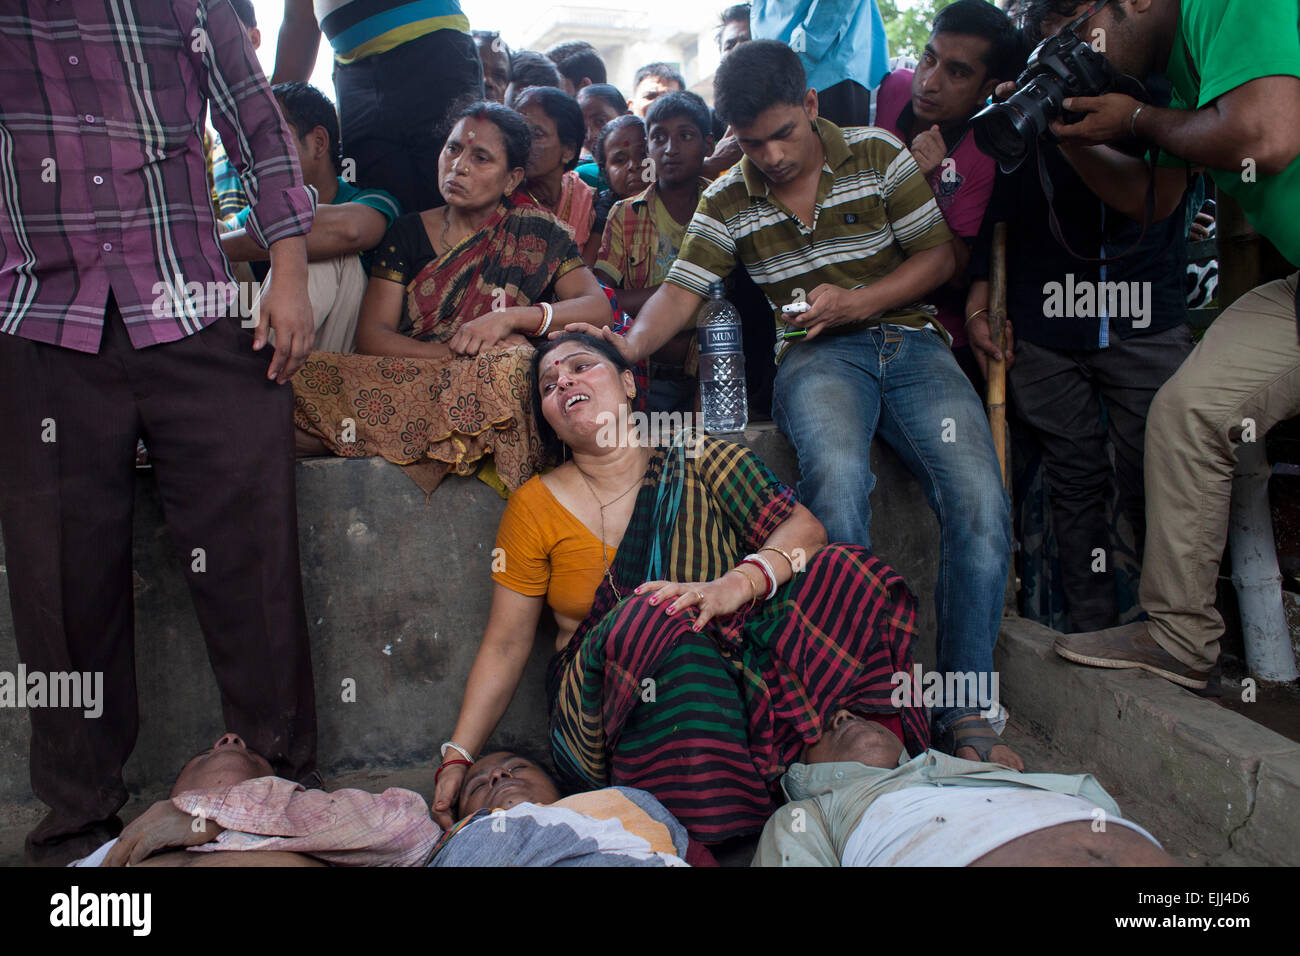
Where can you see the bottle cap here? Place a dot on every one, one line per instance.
(717, 290)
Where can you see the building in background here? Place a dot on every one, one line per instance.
(627, 35)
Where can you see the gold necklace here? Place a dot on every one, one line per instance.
(446, 224)
(586, 481)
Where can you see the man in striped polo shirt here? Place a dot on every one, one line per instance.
(845, 221)
(399, 66)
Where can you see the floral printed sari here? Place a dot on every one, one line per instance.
(441, 416)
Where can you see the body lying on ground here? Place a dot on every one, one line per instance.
(227, 809)
(511, 814)
(228, 799)
(857, 800)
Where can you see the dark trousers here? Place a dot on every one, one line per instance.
(393, 111)
(847, 103)
(1059, 394)
(220, 437)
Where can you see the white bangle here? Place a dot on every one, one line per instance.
(771, 574)
(548, 313)
(449, 745)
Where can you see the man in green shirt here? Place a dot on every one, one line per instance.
(351, 222)
(1235, 70)
(844, 222)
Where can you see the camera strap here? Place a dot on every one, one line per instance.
(1054, 223)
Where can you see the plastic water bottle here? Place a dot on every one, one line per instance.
(722, 365)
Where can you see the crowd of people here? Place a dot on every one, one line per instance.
(477, 258)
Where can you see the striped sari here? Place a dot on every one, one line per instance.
(709, 721)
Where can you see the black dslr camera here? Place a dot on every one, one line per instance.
(1062, 66)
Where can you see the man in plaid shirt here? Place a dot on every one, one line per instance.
(116, 304)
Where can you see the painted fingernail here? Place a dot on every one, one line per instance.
(654, 601)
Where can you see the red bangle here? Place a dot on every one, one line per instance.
(533, 334)
(445, 764)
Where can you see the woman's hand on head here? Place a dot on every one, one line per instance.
(447, 794)
(707, 600)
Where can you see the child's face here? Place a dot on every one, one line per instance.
(596, 112)
(678, 150)
(625, 161)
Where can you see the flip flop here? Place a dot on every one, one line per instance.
(972, 731)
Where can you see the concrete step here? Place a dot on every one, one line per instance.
(397, 589)
(1225, 787)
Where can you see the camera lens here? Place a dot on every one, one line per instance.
(1004, 132)
(1007, 131)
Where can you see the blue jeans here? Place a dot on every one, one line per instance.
(831, 396)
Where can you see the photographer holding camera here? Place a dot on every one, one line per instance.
(1094, 341)
(1235, 71)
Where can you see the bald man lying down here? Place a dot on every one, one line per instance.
(855, 804)
(227, 799)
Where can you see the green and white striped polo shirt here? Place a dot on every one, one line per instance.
(873, 210)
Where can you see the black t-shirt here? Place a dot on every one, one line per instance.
(1048, 299)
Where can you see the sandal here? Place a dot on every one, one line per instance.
(972, 731)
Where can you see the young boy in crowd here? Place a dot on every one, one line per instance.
(644, 232)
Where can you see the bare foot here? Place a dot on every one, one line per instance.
(1000, 753)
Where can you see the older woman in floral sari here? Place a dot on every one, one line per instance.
(440, 380)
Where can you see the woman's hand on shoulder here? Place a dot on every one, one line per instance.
(706, 600)
(447, 794)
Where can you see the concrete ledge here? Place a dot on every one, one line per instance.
(1232, 784)
(397, 591)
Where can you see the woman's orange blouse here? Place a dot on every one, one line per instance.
(546, 550)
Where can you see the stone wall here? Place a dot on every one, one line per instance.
(397, 593)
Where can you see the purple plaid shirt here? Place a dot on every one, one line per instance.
(102, 178)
